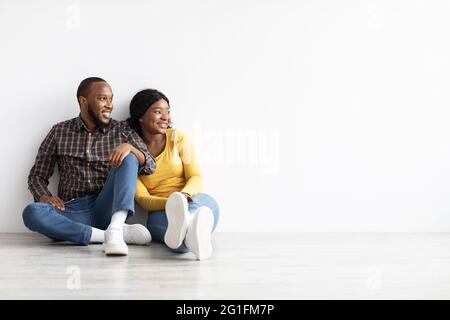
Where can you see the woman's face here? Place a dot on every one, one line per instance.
(157, 118)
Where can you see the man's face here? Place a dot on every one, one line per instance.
(98, 103)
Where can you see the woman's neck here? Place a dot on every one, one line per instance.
(152, 138)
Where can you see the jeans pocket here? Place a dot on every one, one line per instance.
(70, 201)
(81, 204)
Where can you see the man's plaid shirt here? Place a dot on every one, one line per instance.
(82, 158)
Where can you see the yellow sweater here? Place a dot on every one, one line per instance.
(176, 170)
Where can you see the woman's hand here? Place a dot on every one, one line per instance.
(119, 153)
(188, 196)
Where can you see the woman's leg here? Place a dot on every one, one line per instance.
(203, 199)
(157, 225)
(157, 220)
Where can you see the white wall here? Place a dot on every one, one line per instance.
(307, 115)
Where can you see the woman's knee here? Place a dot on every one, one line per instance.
(204, 199)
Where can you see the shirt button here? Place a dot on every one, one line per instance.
(87, 151)
(89, 181)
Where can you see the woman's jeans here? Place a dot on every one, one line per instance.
(157, 220)
(74, 223)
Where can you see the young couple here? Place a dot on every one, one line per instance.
(104, 165)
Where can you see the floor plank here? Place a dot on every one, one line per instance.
(243, 266)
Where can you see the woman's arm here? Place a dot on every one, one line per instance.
(193, 180)
(146, 201)
(191, 169)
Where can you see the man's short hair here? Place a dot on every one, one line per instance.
(83, 88)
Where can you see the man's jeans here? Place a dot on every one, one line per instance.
(74, 223)
(157, 220)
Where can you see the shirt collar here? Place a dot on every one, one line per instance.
(80, 125)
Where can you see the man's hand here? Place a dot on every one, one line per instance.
(119, 153)
(188, 196)
(54, 201)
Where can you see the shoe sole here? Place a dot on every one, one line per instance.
(177, 220)
(199, 238)
(115, 250)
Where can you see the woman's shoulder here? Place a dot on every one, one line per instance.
(176, 134)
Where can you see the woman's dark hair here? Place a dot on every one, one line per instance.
(140, 104)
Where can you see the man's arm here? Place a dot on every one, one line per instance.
(141, 152)
(121, 151)
(139, 155)
(43, 168)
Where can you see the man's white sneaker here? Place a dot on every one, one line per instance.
(177, 220)
(198, 236)
(114, 243)
(136, 234)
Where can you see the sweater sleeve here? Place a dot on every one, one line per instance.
(191, 169)
(146, 201)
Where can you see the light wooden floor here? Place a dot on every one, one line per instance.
(244, 266)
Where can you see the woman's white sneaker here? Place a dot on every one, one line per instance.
(177, 220)
(198, 236)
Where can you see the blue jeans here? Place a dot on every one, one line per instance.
(157, 220)
(75, 223)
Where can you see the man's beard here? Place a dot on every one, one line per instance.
(97, 122)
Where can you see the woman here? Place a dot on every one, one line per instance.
(179, 215)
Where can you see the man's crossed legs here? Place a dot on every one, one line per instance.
(85, 218)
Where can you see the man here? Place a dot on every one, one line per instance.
(98, 161)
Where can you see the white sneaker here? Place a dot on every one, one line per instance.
(177, 220)
(136, 234)
(198, 236)
(114, 243)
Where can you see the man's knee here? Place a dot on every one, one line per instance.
(130, 161)
(31, 214)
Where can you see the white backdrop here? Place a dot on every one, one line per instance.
(307, 115)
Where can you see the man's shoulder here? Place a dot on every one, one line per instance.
(76, 123)
(122, 125)
(66, 124)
